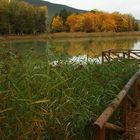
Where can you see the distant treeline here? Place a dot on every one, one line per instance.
(20, 18)
(93, 21)
(17, 18)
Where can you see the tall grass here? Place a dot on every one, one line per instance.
(39, 101)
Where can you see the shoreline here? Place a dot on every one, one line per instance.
(66, 35)
(23, 37)
(93, 34)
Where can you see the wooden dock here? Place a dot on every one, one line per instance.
(127, 102)
(119, 55)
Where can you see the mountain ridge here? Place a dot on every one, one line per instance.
(54, 8)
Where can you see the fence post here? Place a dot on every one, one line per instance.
(136, 91)
(103, 57)
(109, 53)
(129, 54)
(123, 55)
(100, 133)
(124, 111)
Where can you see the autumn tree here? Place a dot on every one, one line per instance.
(75, 22)
(99, 21)
(57, 24)
(90, 22)
(79, 26)
(121, 22)
(131, 22)
(107, 23)
(71, 22)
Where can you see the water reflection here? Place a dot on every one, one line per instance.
(23, 46)
(76, 49)
(94, 47)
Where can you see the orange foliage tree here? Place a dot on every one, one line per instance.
(90, 22)
(107, 23)
(74, 22)
(98, 21)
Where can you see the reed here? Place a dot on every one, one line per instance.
(39, 101)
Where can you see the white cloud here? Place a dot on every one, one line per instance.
(123, 6)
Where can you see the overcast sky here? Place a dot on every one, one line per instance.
(123, 6)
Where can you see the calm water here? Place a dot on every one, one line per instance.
(75, 49)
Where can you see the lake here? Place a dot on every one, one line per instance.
(78, 49)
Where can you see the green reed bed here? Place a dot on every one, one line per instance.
(39, 101)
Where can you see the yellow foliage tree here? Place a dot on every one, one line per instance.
(108, 24)
(57, 24)
(80, 23)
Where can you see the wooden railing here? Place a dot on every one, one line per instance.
(111, 55)
(125, 102)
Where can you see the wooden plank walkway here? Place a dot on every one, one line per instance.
(133, 117)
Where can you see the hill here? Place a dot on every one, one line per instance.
(138, 21)
(54, 8)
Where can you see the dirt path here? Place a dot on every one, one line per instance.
(133, 125)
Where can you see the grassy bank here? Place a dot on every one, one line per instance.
(40, 101)
(64, 35)
(97, 34)
(19, 37)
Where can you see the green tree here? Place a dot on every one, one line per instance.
(4, 17)
(22, 18)
(64, 14)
